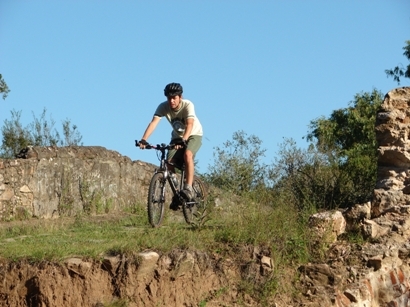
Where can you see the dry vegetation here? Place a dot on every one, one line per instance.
(229, 227)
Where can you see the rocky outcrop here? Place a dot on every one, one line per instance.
(328, 225)
(375, 273)
(387, 280)
(48, 182)
(393, 137)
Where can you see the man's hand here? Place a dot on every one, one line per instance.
(143, 143)
(181, 144)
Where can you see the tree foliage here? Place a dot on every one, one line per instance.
(349, 128)
(4, 89)
(307, 178)
(40, 132)
(338, 168)
(400, 71)
(15, 136)
(237, 164)
(348, 138)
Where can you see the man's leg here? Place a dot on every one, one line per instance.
(174, 156)
(189, 167)
(194, 143)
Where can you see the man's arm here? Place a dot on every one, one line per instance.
(188, 128)
(151, 127)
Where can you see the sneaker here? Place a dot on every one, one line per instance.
(188, 192)
(175, 204)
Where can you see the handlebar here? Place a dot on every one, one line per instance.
(163, 146)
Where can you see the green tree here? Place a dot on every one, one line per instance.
(237, 164)
(15, 136)
(3, 87)
(40, 132)
(399, 70)
(348, 138)
(307, 178)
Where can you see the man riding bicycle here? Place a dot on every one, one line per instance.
(186, 130)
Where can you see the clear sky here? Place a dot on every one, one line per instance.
(266, 67)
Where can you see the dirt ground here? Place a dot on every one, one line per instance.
(179, 278)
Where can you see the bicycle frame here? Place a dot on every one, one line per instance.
(156, 194)
(163, 167)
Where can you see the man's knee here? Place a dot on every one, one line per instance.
(188, 155)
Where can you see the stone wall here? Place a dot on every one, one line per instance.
(47, 182)
(392, 133)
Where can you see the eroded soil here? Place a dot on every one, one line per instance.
(179, 278)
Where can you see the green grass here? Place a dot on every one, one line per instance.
(277, 229)
(93, 236)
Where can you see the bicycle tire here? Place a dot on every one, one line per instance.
(190, 209)
(156, 200)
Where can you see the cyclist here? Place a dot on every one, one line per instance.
(186, 129)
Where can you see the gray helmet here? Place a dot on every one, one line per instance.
(173, 89)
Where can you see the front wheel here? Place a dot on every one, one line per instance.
(156, 199)
(195, 209)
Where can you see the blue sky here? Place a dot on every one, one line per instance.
(265, 67)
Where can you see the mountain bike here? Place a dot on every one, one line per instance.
(157, 191)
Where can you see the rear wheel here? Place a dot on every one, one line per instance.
(194, 208)
(156, 199)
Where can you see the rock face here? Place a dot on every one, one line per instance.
(393, 138)
(376, 273)
(180, 278)
(171, 280)
(47, 182)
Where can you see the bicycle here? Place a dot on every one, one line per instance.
(157, 189)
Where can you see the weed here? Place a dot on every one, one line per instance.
(214, 295)
(354, 235)
(117, 303)
(204, 212)
(93, 200)
(66, 200)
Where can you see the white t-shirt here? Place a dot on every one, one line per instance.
(178, 118)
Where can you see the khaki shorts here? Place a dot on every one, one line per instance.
(177, 155)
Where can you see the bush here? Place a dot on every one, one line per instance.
(307, 178)
(40, 132)
(237, 166)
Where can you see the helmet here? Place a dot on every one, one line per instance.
(173, 89)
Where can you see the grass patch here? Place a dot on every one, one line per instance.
(278, 229)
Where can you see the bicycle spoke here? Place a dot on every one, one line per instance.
(155, 200)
